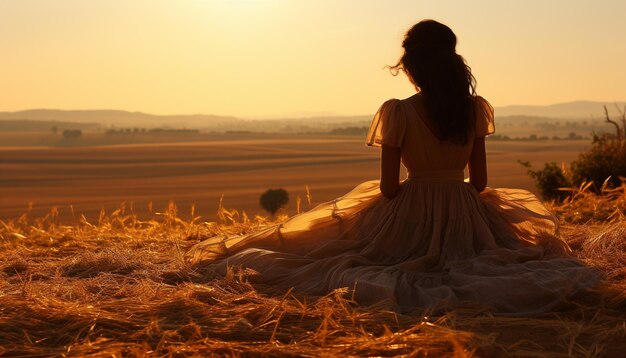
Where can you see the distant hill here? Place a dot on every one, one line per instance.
(571, 110)
(43, 126)
(578, 110)
(114, 118)
(124, 119)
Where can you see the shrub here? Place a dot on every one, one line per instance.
(549, 181)
(274, 199)
(603, 165)
(606, 159)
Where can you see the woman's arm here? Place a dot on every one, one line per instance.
(478, 165)
(390, 171)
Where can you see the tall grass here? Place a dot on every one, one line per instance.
(584, 206)
(121, 287)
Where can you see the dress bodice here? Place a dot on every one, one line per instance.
(404, 124)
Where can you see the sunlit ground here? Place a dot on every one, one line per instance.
(120, 286)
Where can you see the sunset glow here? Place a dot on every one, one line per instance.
(272, 58)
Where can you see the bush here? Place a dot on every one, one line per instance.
(606, 159)
(603, 165)
(274, 199)
(549, 181)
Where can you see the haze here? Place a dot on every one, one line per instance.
(271, 58)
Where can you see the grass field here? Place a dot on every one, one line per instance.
(240, 167)
(119, 286)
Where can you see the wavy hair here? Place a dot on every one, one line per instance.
(443, 78)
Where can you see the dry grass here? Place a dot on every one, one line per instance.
(583, 206)
(120, 287)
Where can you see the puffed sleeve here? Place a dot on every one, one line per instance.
(484, 117)
(388, 125)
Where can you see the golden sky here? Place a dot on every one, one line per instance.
(270, 58)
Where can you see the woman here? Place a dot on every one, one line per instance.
(433, 240)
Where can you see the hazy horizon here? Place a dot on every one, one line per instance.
(275, 58)
(507, 110)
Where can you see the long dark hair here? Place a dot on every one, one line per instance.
(444, 79)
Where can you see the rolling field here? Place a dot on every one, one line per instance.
(239, 166)
(120, 284)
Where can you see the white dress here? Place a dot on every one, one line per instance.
(438, 244)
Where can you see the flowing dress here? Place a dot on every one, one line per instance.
(438, 244)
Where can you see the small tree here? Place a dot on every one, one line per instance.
(55, 129)
(274, 199)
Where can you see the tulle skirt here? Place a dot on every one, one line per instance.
(438, 244)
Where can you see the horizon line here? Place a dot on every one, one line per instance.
(322, 114)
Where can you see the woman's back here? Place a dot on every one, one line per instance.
(405, 124)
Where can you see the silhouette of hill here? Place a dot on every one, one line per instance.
(27, 125)
(124, 119)
(576, 109)
(116, 118)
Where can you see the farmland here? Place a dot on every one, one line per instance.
(201, 168)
